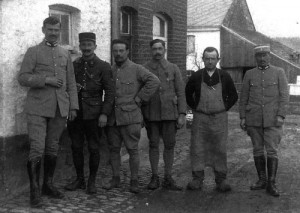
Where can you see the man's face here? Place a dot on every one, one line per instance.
(210, 60)
(158, 51)
(87, 48)
(262, 59)
(120, 53)
(52, 32)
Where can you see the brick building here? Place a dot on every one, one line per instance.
(21, 21)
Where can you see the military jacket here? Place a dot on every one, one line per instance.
(132, 80)
(169, 100)
(264, 96)
(43, 61)
(94, 77)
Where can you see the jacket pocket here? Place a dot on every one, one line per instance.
(271, 89)
(130, 114)
(127, 87)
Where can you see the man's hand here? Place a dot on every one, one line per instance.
(54, 81)
(72, 115)
(102, 121)
(279, 120)
(180, 121)
(138, 101)
(79, 87)
(243, 124)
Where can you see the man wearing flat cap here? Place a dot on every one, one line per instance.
(93, 77)
(263, 101)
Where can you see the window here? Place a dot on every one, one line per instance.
(65, 19)
(160, 29)
(125, 22)
(190, 44)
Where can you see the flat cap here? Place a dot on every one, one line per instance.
(87, 36)
(262, 49)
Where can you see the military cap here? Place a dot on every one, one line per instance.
(87, 36)
(262, 49)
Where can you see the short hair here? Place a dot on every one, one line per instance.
(120, 41)
(51, 20)
(210, 49)
(157, 41)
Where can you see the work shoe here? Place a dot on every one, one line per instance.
(91, 186)
(260, 165)
(223, 186)
(134, 186)
(115, 182)
(79, 183)
(154, 183)
(197, 182)
(170, 184)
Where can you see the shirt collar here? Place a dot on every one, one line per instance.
(54, 44)
(264, 68)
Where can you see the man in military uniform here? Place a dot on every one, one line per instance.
(263, 101)
(93, 76)
(134, 84)
(48, 72)
(164, 113)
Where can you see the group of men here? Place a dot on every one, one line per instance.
(152, 95)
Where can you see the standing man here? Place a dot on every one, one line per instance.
(48, 72)
(134, 84)
(210, 92)
(164, 114)
(93, 76)
(263, 103)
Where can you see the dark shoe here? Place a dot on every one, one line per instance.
(221, 183)
(260, 164)
(33, 169)
(170, 184)
(197, 182)
(79, 183)
(154, 183)
(91, 187)
(48, 187)
(223, 186)
(134, 186)
(115, 182)
(272, 165)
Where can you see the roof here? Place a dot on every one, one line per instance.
(203, 13)
(258, 38)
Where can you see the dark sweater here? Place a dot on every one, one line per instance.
(193, 88)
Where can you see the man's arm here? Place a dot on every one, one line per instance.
(283, 94)
(190, 91)
(109, 88)
(71, 85)
(150, 83)
(231, 91)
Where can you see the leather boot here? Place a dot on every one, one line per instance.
(115, 182)
(79, 183)
(134, 186)
(48, 187)
(222, 185)
(154, 183)
(272, 164)
(197, 182)
(33, 169)
(260, 164)
(93, 164)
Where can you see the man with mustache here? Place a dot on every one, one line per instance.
(164, 113)
(210, 92)
(263, 106)
(48, 72)
(134, 85)
(93, 77)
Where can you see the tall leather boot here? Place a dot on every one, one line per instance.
(272, 165)
(222, 185)
(93, 164)
(48, 188)
(197, 182)
(33, 169)
(260, 164)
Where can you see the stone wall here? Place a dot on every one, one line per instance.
(21, 28)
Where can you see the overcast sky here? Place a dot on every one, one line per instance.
(276, 18)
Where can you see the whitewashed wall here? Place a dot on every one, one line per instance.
(21, 23)
(203, 39)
